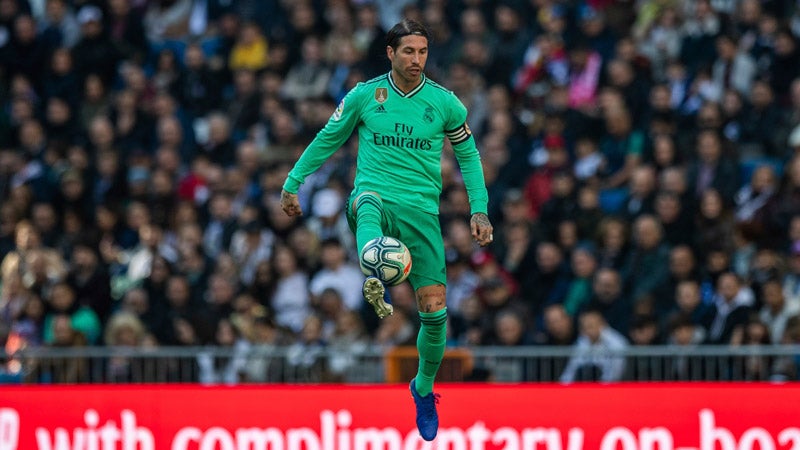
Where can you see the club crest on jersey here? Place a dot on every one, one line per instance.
(381, 94)
(339, 110)
(428, 115)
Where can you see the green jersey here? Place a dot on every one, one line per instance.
(400, 141)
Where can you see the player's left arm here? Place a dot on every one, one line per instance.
(469, 161)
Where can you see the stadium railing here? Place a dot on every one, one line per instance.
(292, 364)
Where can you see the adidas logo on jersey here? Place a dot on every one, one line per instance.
(380, 109)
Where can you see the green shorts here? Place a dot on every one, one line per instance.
(420, 232)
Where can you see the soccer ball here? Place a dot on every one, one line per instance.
(387, 259)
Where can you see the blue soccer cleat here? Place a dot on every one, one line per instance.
(376, 294)
(427, 417)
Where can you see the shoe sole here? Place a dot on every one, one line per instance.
(373, 293)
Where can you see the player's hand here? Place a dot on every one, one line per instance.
(290, 204)
(481, 229)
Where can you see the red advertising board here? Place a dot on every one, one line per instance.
(380, 417)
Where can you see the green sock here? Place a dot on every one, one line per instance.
(431, 342)
(369, 212)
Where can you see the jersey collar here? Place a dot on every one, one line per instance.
(410, 93)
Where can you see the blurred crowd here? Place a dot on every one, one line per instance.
(641, 158)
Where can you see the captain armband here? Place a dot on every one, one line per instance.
(459, 135)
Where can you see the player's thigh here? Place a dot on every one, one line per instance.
(422, 235)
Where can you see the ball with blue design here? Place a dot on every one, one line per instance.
(387, 259)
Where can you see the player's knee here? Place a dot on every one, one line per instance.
(367, 198)
(431, 298)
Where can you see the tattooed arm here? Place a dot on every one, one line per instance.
(481, 229)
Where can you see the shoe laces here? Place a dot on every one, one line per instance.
(429, 403)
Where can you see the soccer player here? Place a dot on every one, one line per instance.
(402, 119)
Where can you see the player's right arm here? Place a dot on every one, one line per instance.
(338, 129)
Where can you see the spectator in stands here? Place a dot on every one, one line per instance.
(784, 68)
(89, 280)
(250, 51)
(712, 168)
(549, 280)
(647, 264)
(660, 39)
(558, 326)
(398, 330)
(641, 193)
(622, 145)
(682, 266)
(789, 193)
(613, 242)
(348, 341)
(765, 265)
(644, 330)
(27, 325)
(60, 80)
(221, 225)
(126, 30)
(264, 363)
(291, 301)
(567, 235)
(60, 27)
(124, 329)
(763, 126)
(137, 303)
(329, 222)
(338, 273)
(225, 368)
(83, 320)
(497, 295)
(251, 244)
(754, 206)
(754, 367)
(510, 329)
(71, 370)
(733, 304)
(13, 298)
(195, 88)
(715, 223)
(189, 320)
(776, 309)
(689, 302)
(166, 22)
(585, 71)
(676, 218)
(310, 77)
(589, 162)
(684, 334)
(583, 265)
(590, 213)
(596, 355)
(462, 281)
(305, 357)
(608, 298)
(94, 52)
(733, 68)
(562, 203)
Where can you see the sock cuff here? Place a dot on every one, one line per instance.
(434, 318)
